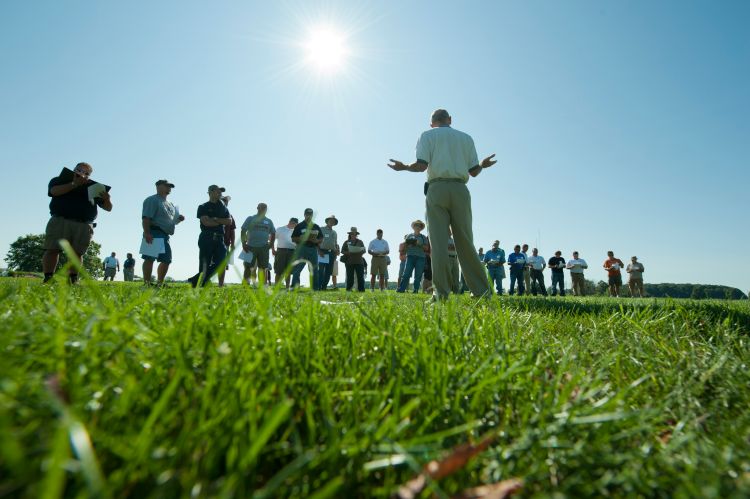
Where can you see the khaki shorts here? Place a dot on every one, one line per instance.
(378, 266)
(78, 234)
(110, 272)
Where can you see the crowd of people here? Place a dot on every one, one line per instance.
(445, 262)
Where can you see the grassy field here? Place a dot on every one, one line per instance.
(115, 390)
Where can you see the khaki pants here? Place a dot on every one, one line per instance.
(454, 274)
(578, 283)
(636, 287)
(527, 279)
(449, 206)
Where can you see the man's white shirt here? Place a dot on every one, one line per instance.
(536, 262)
(449, 153)
(576, 265)
(284, 238)
(378, 246)
(111, 263)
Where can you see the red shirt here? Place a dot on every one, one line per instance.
(609, 265)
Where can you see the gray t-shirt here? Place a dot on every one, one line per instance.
(635, 270)
(162, 213)
(258, 230)
(329, 239)
(415, 244)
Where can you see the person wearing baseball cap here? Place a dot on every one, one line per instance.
(258, 235)
(307, 236)
(494, 259)
(213, 216)
(449, 157)
(327, 249)
(159, 218)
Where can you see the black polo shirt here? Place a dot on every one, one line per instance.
(75, 204)
(218, 210)
(554, 262)
(301, 231)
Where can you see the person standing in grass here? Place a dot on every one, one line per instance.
(577, 266)
(379, 250)
(111, 267)
(557, 264)
(72, 217)
(635, 280)
(307, 237)
(284, 254)
(258, 235)
(230, 232)
(449, 157)
(526, 269)
(401, 263)
(417, 247)
(353, 250)
(128, 268)
(327, 250)
(495, 261)
(516, 262)
(159, 219)
(613, 265)
(213, 216)
(537, 265)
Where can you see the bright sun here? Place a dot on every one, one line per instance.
(326, 50)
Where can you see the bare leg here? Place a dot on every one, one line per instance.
(148, 267)
(161, 272)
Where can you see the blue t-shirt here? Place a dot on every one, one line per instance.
(258, 230)
(517, 261)
(494, 257)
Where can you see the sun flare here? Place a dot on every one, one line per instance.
(326, 50)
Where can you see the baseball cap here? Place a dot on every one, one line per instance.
(164, 182)
(214, 187)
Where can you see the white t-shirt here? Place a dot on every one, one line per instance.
(449, 153)
(111, 262)
(284, 238)
(576, 265)
(536, 262)
(378, 246)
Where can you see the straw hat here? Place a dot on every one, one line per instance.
(419, 223)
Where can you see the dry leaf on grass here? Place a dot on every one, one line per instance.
(499, 490)
(435, 470)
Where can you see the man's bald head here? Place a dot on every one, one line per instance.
(440, 117)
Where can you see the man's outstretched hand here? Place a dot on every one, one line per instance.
(488, 161)
(397, 165)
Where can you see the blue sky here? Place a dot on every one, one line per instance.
(617, 125)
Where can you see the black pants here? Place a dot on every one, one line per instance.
(537, 277)
(359, 268)
(212, 252)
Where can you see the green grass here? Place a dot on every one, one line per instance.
(239, 393)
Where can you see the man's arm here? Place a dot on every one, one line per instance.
(417, 167)
(146, 223)
(214, 221)
(486, 163)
